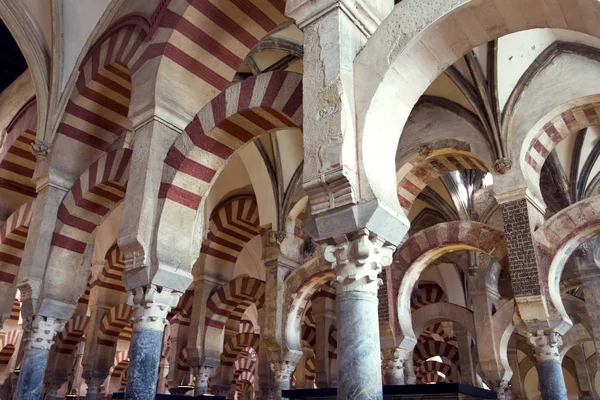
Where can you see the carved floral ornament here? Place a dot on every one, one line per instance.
(357, 262)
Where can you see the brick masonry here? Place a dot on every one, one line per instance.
(520, 248)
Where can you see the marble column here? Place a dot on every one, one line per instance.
(583, 374)
(548, 364)
(357, 262)
(410, 378)
(93, 388)
(201, 376)
(283, 376)
(393, 366)
(151, 306)
(52, 389)
(35, 357)
(467, 370)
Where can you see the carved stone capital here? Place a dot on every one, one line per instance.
(393, 361)
(201, 375)
(151, 305)
(283, 371)
(357, 262)
(546, 346)
(41, 331)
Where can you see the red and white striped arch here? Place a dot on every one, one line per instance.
(8, 344)
(299, 288)
(120, 364)
(424, 247)
(237, 344)
(434, 366)
(431, 348)
(245, 382)
(96, 114)
(97, 192)
(246, 326)
(563, 124)
(17, 162)
(112, 273)
(332, 344)
(435, 332)
(180, 315)
(15, 311)
(309, 336)
(265, 103)
(432, 377)
(414, 176)
(309, 369)
(204, 43)
(241, 365)
(231, 226)
(429, 293)
(113, 324)
(68, 339)
(232, 299)
(13, 234)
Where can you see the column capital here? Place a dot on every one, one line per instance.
(283, 370)
(393, 362)
(546, 346)
(201, 375)
(366, 14)
(151, 305)
(357, 261)
(41, 331)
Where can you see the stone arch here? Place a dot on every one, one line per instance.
(246, 326)
(428, 293)
(416, 174)
(411, 48)
(72, 334)
(231, 226)
(422, 248)
(555, 242)
(245, 382)
(550, 131)
(241, 365)
(13, 235)
(113, 324)
(431, 348)
(181, 314)
(97, 192)
(236, 344)
(8, 344)
(438, 312)
(17, 162)
(299, 287)
(435, 366)
(433, 377)
(111, 276)
(182, 360)
(257, 105)
(97, 112)
(309, 336)
(230, 301)
(204, 43)
(332, 344)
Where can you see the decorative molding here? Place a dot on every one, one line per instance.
(546, 346)
(151, 305)
(358, 261)
(42, 331)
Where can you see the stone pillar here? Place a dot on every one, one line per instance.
(93, 388)
(283, 376)
(35, 357)
(323, 308)
(583, 375)
(394, 361)
(516, 383)
(410, 378)
(151, 308)
(548, 364)
(589, 275)
(357, 262)
(467, 370)
(266, 378)
(163, 371)
(201, 376)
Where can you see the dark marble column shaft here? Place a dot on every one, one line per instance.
(552, 381)
(144, 358)
(359, 358)
(32, 373)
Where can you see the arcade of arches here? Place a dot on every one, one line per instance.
(248, 196)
